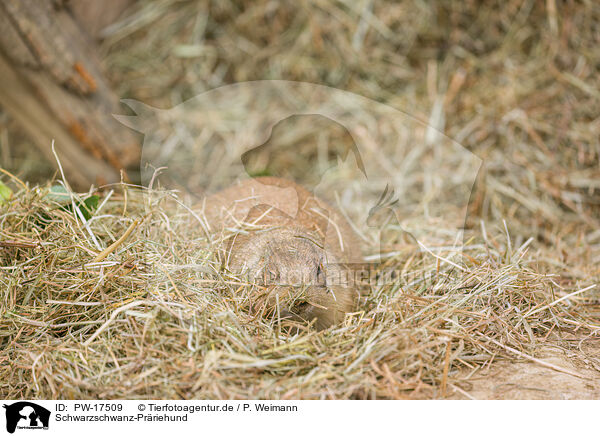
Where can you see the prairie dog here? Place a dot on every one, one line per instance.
(292, 242)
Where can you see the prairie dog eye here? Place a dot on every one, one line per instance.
(321, 277)
(300, 307)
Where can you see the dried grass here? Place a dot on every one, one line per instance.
(157, 318)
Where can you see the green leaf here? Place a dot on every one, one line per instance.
(5, 192)
(88, 206)
(58, 194)
(91, 202)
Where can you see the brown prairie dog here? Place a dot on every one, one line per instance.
(292, 242)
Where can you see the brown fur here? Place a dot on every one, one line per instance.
(292, 242)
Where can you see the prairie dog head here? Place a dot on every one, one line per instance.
(303, 280)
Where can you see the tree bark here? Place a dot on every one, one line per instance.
(53, 85)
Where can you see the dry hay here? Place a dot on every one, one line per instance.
(155, 316)
(519, 87)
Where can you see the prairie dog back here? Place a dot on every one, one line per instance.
(292, 242)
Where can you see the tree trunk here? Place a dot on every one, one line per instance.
(52, 84)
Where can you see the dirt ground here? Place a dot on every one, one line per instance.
(532, 381)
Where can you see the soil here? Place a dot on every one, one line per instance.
(525, 380)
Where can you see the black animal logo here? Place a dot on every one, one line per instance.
(28, 415)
